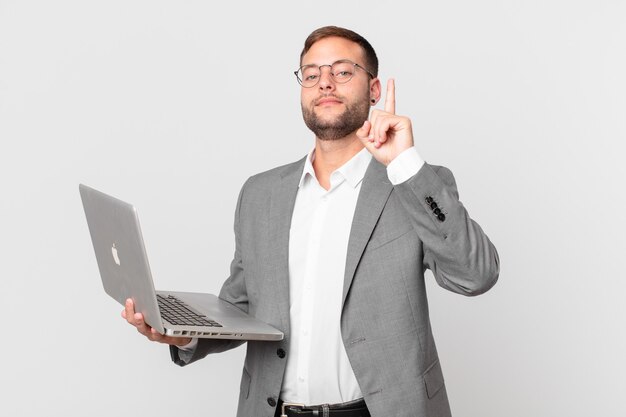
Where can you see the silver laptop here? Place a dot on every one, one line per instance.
(125, 273)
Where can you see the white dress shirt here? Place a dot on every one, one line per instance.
(318, 370)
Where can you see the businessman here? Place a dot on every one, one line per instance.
(332, 250)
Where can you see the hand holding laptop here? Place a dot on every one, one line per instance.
(136, 319)
(162, 316)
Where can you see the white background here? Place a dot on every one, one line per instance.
(172, 105)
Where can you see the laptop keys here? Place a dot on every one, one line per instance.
(176, 312)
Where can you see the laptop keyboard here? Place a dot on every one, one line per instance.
(176, 312)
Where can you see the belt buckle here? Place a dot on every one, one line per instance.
(282, 407)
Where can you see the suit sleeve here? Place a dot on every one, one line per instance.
(456, 250)
(234, 291)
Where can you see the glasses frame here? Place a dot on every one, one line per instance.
(331, 73)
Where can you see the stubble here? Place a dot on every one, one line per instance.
(340, 126)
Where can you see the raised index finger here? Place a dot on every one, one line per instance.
(390, 98)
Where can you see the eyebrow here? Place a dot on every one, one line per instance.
(337, 60)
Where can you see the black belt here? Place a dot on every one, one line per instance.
(356, 408)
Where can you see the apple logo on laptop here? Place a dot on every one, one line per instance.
(116, 258)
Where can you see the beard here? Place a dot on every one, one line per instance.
(342, 125)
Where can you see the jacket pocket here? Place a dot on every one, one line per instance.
(379, 241)
(433, 379)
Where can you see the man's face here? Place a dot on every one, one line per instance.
(332, 110)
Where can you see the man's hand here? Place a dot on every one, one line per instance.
(136, 319)
(386, 135)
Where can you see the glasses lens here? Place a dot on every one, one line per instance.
(309, 75)
(342, 71)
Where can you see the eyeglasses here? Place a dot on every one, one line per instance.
(341, 72)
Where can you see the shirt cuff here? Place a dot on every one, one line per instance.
(191, 346)
(404, 166)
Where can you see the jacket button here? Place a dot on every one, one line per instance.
(437, 211)
(433, 205)
(281, 353)
(441, 217)
(429, 200)
(271, 402)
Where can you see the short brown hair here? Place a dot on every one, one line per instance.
(371, 60)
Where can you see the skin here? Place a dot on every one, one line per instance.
(136, 319)
(384, 134)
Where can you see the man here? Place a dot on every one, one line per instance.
(332, 250)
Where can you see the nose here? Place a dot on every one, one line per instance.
(326, 82)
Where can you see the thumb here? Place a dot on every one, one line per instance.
(364, 131)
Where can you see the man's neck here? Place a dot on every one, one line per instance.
(332, 154)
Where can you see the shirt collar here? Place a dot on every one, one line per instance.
(353, 171)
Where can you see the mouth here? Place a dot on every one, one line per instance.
(327, 101)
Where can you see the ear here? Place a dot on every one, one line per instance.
(375, 90)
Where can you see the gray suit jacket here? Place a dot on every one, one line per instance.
(385, 324)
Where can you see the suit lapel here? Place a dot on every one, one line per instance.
(282, 201)
(373, 196)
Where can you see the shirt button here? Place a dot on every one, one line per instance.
(300, 379)
(281, 353)
(271, 402)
